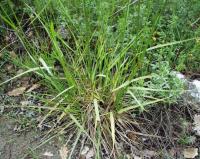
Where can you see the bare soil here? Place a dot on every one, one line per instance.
(14, 145)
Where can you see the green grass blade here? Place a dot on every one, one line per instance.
(139, 105)
(23, 73)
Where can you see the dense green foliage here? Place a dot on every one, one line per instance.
(158, 21)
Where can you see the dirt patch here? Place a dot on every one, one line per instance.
(15, 145)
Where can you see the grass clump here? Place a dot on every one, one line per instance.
(95, 58)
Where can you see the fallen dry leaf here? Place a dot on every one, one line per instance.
(196, 124)
(17, 92)
(48, 154)
(190, 152)
(63, 152)
(33, 87)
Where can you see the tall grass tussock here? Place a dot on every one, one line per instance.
(102, 62)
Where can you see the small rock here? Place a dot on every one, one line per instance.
(193, 89)
(196, 124)
(179, 75)
(136, 157)
(190, 152)
(90, 154)
(48, 154)
(196, 89)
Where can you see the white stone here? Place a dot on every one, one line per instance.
(179, 75)
(195, 92)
